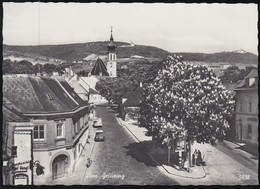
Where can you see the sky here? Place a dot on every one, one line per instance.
(176, 27)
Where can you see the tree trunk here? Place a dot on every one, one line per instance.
(189, 154)
(169, 156)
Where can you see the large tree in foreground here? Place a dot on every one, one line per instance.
(186, 98)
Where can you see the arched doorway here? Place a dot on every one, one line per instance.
(60, 166)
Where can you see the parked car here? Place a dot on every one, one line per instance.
(99, 135)
(97, 122)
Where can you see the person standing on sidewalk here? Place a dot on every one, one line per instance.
(195, 156)
(199, 160)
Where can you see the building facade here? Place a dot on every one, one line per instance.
(59, 119)
(246, 98)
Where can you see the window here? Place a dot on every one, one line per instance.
(49, 95)
(250, 106)
(240, 106)
(60, 129)
(38, 132)
(14, 151)
(249, 131)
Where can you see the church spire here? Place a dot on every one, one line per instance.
(111, 37)
(111, 45)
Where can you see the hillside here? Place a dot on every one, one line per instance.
(230, 57)
(81, 51)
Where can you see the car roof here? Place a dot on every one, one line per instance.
(99, 131)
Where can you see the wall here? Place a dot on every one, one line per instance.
(244, 117)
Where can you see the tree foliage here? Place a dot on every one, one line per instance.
(233, 74)
(186, 97)
(113, 89)
(26, 67)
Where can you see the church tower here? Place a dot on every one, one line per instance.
(111, 57)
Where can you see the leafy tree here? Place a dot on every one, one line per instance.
(38, 68)
(49, 68)
(7, 66)
(233, 74)
(186, 99)
(23, 67)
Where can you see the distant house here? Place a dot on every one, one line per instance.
(80, 87)
(59, 119)
(131, 101)
(246, 99)
(94, 96)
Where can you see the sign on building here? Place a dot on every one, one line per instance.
(21, 169)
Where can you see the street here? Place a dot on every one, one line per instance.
(119, 160)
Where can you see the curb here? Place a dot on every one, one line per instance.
(157, 162)
(119, 121)
(176, 174)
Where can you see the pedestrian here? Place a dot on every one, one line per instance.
(195, 156)
(199, 161)
(193, 159)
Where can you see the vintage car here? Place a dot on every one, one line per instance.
(99, 135)
(97, 122)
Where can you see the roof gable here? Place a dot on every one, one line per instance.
(72, 93)
(99, 68)
(135, 98)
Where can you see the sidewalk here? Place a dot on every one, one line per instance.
(220, 168)
(80, 165)
(138, 133)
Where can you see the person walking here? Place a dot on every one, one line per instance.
(195, 156)
(199, 160)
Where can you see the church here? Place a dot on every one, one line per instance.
(100, 69)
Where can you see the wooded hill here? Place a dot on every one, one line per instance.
(78, 51)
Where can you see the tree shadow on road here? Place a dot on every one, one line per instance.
(139, 151)
(113, 109)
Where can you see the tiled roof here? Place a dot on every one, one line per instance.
(231, 87)
(40, 94)
(11, 114)
(72, 92)
(128, 94)
(99, 68)
(253, 73)
(78, 88)
(90, 81)
(92, 91)
(244, 84)
(135, 99)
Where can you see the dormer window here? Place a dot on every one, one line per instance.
(251, 81)
(50, 97)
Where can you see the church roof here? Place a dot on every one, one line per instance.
(99, 68)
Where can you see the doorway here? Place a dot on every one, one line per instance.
(60, 166)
